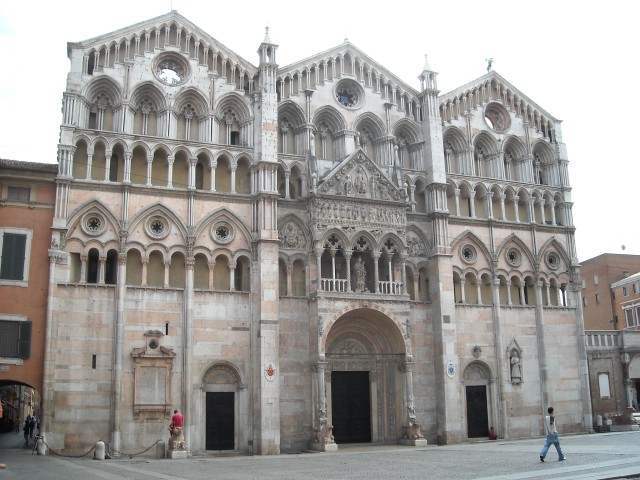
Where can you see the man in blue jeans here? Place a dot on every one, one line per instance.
(552, 436)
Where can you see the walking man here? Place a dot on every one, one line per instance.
(552, 436)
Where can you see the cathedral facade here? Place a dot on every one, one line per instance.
(304, 256)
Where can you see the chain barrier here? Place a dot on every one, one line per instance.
(108, 448)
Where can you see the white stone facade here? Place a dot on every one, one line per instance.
(304, 256)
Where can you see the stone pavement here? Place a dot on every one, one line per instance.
(594, 456)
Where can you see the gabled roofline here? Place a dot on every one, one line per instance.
(491, 76)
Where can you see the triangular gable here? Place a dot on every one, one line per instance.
(160, 22)
(357, 176)
(505, 86)
(354, 52)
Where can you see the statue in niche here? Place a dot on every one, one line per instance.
(347, 185)
(516, 371)
(361, 275)
(361, 184)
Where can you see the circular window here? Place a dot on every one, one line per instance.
(349, 93)
(553, 260)
(153, 344)
(468, 253)
(222, 232)
(157, 227)
(93, 224)
(497, 117)
(514, 257)
(171, 69)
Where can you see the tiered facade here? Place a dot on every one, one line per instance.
(304, 256)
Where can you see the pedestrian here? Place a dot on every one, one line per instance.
(17, 424)
(32, 426)
(25, 429)
(492, 434)
(177, 419)
(552, 436)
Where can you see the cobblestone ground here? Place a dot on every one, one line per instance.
(595, 456)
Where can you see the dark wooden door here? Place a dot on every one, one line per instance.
(351, 407)
(477, 416)
(220, 421)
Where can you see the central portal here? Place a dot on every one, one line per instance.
(220, 421)
(351, 400)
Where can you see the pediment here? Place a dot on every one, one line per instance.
(340, 52)
(357, 176)
(512, 93)
(171, 19)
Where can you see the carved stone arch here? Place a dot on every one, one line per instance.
(486, 142)
(543, 151)
(100, 141)
(468, 236)
(139, 144)
(331, 117)
(293, 112)
(235, 103)
(112, 222)
(513, 239)
(477, 371)
(553, 245)
(454, 138)
(416, 242)
(408, 129)
(341, 238)
(514, 146)
(391, 241)
(105, 86)
(223, 215)
(371, 123)
(158, 247)
(148, 94)
(225, 252)
(81, 138)
(243, 252)
(292, 233)
(193, 97)
(162, 210)
(222, 373)
(397, 337)
(371, 242)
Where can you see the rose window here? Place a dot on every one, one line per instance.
(513, 257)
(94, 224)
(468, 253)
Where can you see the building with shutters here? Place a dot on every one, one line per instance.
(304, 256)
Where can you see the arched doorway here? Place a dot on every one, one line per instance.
(477, 393)
(224, 400)
(367, 391)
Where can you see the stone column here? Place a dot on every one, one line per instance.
(347, 256)
(502, 425)
(411, 431)
(118, 357)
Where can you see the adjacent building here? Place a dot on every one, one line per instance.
(306, 255)
(611, 300)
(27, 200)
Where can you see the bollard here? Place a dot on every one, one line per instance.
(40, 446)
(160, 453)
(99, 452)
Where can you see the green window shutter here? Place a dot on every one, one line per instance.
(24, 340)
(13, 249)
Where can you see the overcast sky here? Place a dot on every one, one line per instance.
(577, 60)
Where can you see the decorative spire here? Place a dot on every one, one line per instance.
(267, 39)
(427, 67)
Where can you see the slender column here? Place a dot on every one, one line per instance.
(552, 207)
(232, 278)
(89, 164)
(318, 251)
(118, 359)
(233, 177)
(479, 290)
(101, 263)
(212, 266)
(376, 275)
(289, 280)
(347, 256)
(170, 160)
(462, 293)
(83, 269)
(166, 274)
(472, 204)
(540, 340)
(522, 298)
(149, 169)
(212, 168)
(457, 196)
(107, 166)
(127, 168)
(515, 207)
(403, 273)
(502, 209)
(286, 185)
(187, 338)
(509, 301)
(497, 340)
(145, 264)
